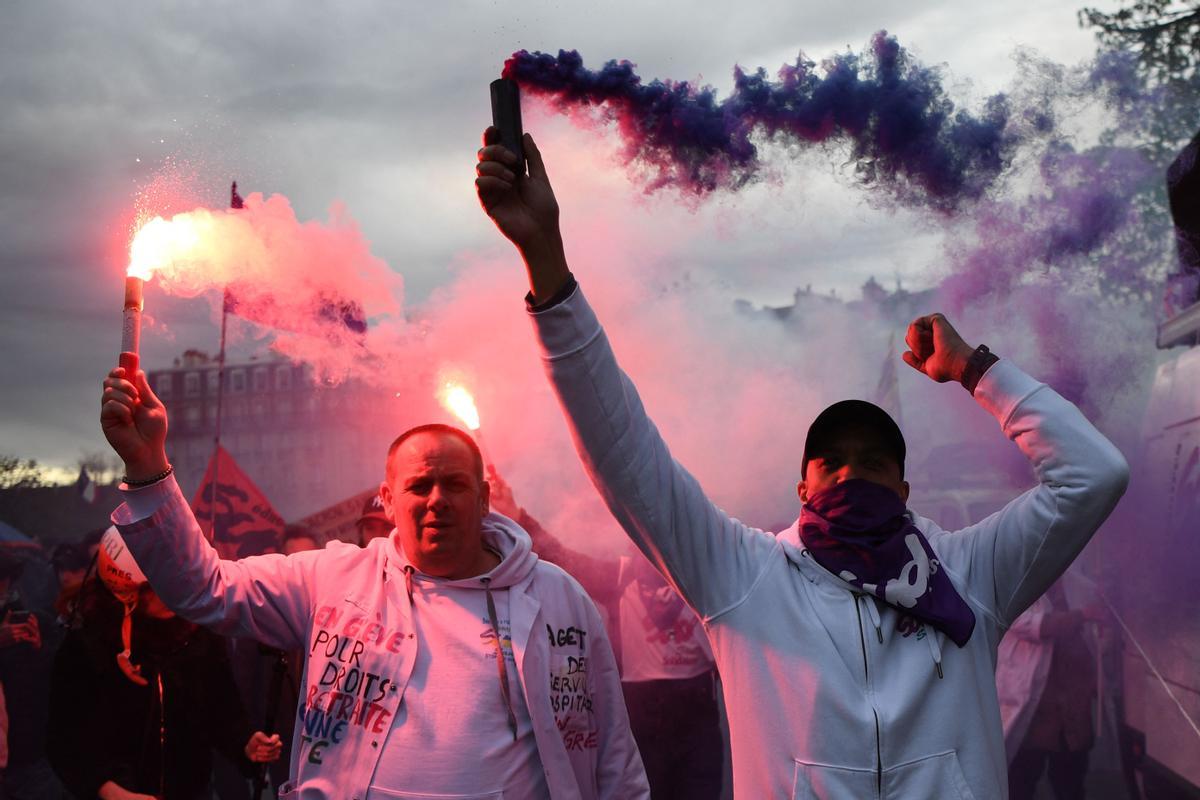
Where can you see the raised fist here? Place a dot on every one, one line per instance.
(936, 349)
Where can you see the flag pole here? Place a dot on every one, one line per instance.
(235, 201)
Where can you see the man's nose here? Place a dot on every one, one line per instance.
(437, 498)
(847, 472)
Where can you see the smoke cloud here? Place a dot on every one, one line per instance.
(903, 131)
(314, 284)
(1036, 219)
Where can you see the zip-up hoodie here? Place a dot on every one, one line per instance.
(349, 610)
(830, 695)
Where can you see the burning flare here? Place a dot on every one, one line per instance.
(159, 243)
(459, 401)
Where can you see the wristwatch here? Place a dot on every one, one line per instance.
(977, 364)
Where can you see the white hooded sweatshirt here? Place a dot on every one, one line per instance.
(829, 693)
(350, 610)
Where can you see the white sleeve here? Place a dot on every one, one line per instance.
(711, 559)
(1014, 555)
(263, 597)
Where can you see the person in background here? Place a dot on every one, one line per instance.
(299, 539)
(28, 641)
(1046, 676)
(667, 670)
(374, 522)
(10, 634)
(269, 682)
(141, 697)
(91, 541)
(71, 563)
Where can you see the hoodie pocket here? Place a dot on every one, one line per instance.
(938, 775)
(827, 782)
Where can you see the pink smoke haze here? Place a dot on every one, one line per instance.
(299, 279)
(732, 392)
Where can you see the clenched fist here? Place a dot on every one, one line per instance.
(936, 349)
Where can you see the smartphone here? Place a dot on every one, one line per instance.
(506, 116)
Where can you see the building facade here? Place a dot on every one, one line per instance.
(305, 446)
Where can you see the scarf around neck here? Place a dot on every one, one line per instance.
(858, 530)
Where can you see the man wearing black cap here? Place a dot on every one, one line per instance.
(373, 523)
(858, 647)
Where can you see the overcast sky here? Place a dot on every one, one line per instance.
(379, 106)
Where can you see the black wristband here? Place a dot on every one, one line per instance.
(559, 296)
(159, 477)
(979, 363)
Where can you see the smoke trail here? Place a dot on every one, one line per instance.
(905, 134)
(313, 284)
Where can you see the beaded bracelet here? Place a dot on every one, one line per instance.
(155, 479)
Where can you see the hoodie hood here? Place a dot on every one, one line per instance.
(502, 536)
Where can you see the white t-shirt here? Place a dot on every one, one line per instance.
(451, 737)
(661, 638)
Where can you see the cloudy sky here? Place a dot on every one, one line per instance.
(378, 106)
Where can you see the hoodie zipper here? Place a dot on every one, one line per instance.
(862, 639)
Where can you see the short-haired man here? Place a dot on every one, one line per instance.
(445, 660)
(857, 647)
(374, 522)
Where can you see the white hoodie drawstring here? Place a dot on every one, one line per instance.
(933, 635)
(873, 613)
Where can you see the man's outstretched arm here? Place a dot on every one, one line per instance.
(262, 597)
(710, 559)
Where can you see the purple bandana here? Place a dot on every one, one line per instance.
(857, 530)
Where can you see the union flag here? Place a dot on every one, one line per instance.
(245, 523)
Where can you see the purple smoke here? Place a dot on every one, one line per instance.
(904, 133)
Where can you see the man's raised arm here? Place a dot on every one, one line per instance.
(1014, 555)
(262, 597)
(1022, 549)
(711, 559)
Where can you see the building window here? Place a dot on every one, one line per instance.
(259, 406)
(213, 377)
(162, 386)
(260, 379)
(237, 381)
(283, 379)
(283, 405)
(191, 384)
(191, 415)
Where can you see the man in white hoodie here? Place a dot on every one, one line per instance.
(443, 660)
(857, 648)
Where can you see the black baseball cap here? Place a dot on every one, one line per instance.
(847, 415)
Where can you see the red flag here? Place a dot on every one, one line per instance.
(245, 522)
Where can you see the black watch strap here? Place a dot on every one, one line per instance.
(979, 363)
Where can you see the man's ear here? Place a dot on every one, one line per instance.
(485, 497)
(802, 490)
(904, 491)
(385, 497)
